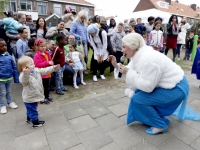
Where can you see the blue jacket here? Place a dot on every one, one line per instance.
(8, 68)
(11, 25)
(22, 47)
(139, 28)
(196, 64)
(79, 30)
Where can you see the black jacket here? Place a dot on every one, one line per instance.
(189, 43)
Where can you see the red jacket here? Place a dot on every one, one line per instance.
(59, 57)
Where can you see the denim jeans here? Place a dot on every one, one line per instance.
(59, 78)
(85, 47)
(14, 51)
(5, 93)
(31, 111)
(178, 49)
(70, 72)
(187, 53)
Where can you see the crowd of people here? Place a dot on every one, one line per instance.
(38, 51)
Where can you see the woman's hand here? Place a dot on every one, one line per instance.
(55, 32)
(98, 58)
(113, 60)
(123, 69)
(101, 58)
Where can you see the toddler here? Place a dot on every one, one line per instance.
(32, 93)
(42, 59)
(8, 70)
(78, 63)
(31, 52)
(189, 46)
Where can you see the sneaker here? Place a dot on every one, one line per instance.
(95, 78)
(38, 124)
(46, 101)
(59, 92)
(75, 86)
(50, 99)
(179, 58)
(3, 110)
(28, 121)
(13, 105)
(82, 82)
(64, 89)
(102, 77)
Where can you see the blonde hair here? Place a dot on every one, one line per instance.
(23, 61)
(81, 14)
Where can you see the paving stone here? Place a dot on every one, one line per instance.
(32, 141)
(183, 132)
(88, 103)
(7, 141)
(125, 101)
(74, 113)
(109, 122)
(119, 109)
(55, 125)
(69, 106)
(124, 118)
(94, 139)
(111, 146)
(97, 111)
(117, 94)
(125, 137)
(63, 139)
(196, 144)
(106, 100)
(78, 147)
(144, 145)
(50, 115)
(7, 122)
(83, 123)
(174, 144)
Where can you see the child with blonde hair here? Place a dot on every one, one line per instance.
(33, 92)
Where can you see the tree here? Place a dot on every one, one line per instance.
(3, 5)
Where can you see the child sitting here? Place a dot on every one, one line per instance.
(156, 37)
(42, 59)
(22, 43)
(32, 51)
(78, 63)
(8, 70)
(189, 46)
(32, 93)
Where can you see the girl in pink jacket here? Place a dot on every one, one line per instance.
(42, 59)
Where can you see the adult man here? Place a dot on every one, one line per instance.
(150, 24)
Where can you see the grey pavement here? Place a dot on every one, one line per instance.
(98, 123)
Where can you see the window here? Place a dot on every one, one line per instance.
(86, 10)
(163, 4)
(58, 9)
(42, 8)
(182, 9)
(25, 5)
(11, 6)
(72, 7)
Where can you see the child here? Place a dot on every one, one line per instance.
(58, 56)
(42, 59)
(50, 46)
(22, 43)
(32, 93)
(189, 46)
(32, 51)
(156, 37)
(117, 42)
(144, 35)
(8, 70)
(140, 27)
(78, 63)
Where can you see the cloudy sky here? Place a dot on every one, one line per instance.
(122, 7)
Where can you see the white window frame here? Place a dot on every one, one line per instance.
(40, 3)
(57, 6)
(27, 2)
(87, 10)
(71, 6)
(9, 6)
(163, 4)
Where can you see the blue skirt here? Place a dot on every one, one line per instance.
(151, 108)
(78, 66)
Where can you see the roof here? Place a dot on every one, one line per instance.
(178, 9)
(79, 2)
(54, 14)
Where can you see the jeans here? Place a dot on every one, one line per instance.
(14, 51)
(59, 78)
(187, 53)
(31, 111)
(5, 93)
(178, 49)
(70, 72)
(85, 47)
(174, 53)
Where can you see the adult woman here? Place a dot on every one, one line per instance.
(68, 17)
(131, 28)
(41, 28)
(100, 50)
(172, 32)
(182, 35)
(54, 31)
(79, 29)
(96, 19)
(31, 25)
(160, 84)
(112, 28)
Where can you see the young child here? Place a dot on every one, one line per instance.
(145, 37)
(78, 63)
(50, 46)
(8, 71)
(189, 46)
(32, 51)
(156, 37)
(117, 42)
(32, 93)
(140, 27)
(22, 43)
(42, 59)
(58, 57)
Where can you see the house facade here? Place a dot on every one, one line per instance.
(45, 8)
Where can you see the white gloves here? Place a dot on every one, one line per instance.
(129, 92)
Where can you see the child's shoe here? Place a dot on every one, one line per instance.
(28, 121)
(13, 105)
(46, 101)
(3, 110)
(102, 77)
(50, 99)
(82, 82)
(59, 92)
(95, 78)
(38, 124)
(64, 89)
(75, 86)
